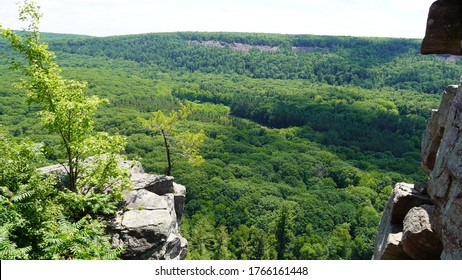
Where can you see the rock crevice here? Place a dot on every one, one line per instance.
(148, 227)
(148, 224)
(424, 221)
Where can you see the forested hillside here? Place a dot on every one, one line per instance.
(305, 135)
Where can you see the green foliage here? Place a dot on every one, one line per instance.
(284, 226)
(364, 62)
(65, 109)
(39, 218)
(181, 144)
(22, 198)
(84, 239)
(36, 218)
(302, 144)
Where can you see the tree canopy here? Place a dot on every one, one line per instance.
(303, 143)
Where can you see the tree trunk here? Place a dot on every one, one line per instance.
(167, 152)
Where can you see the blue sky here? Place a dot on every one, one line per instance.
(375, 18)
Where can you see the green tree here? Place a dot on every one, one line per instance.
(65, 108)
(38, 219)
(339, 244)
(284, 229)
(314, 247)
(177, 144)
(202, 238)
(222, 251)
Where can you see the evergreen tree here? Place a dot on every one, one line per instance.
(284, 230)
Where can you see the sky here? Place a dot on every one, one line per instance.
(365, 18)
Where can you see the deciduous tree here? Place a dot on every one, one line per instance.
(177, 144)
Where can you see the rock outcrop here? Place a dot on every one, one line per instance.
(444, 28)
(147, 226)
(390, 233)
(419, 240)
(424, 221)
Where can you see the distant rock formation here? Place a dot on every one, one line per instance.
(148, 225)
(424, 221)
(235, 46)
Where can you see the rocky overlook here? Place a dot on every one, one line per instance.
(148, 225)
(424, 221)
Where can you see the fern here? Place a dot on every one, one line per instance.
(84, 239)
(8, 249)
(22, 195)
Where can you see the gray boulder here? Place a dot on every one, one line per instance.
(148, 226)
(419, 241)
(388, 242)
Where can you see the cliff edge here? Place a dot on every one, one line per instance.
(424, 221)
(147, 226)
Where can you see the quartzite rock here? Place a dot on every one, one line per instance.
(148, 225)
(158, 184)
(402, 199)
(419, 240)
(388, 244)
(428, 233)
(148, 228)
(435, 130)
(179, 200)
(445, 184)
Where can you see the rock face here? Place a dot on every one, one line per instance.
(390, 233)
(148, 227)
(445, 184)
(419, 240)
(444, 28)
(424, 221)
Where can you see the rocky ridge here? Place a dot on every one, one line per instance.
(148, 225)
(424, 221)
(235, 46)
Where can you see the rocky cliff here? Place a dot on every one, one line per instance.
(424, 221)
(147, 226)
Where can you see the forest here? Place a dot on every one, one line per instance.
(304, 135)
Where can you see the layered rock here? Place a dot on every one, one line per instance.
(424, 221)
(389, 237)
(445, 184)
(148, 227)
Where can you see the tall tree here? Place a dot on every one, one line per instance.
(37, 219)
(284, 228)
(177, 144)
(65, 108)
